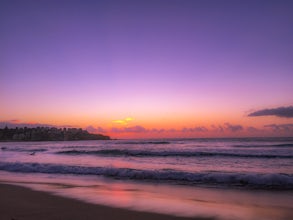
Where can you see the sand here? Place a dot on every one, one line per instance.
(19, 203)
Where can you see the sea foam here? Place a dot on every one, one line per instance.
(248, 180)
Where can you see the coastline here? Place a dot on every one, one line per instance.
(20, 203)
(48, 134)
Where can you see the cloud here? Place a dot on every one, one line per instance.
(284, 112)
(280, 127)
(233, 128)
(218, 128)
(92, 129)
(14, 121)
(195, 129)
(116, 130)
(124, 121)
(155, 130)
(136, 129)
(252, 129)
(133, 129)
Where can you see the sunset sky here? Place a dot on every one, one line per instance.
(149, 68)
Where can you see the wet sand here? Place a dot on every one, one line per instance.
(20, 203)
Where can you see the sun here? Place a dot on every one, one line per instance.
(124, 122)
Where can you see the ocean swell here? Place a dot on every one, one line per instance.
(144, 153)
(218, 179)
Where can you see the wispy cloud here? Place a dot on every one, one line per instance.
(233, 128)
(133, 129)
(195, 129)
(284, 112)
(92, 129)
(217, 128)
(136, 129)
(252, 129)
(280, 127)
(155, 130)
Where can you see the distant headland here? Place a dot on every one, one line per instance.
(48, 134)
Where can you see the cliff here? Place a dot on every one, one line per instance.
(48, 134)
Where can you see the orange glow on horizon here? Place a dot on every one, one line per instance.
(164, 125)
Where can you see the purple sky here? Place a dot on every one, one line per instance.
(92, 62)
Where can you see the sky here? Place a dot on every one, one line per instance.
(149, 68)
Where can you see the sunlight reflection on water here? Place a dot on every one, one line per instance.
(161, 198)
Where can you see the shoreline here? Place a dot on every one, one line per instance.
(21, 203)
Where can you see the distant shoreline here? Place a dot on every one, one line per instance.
(12, 141)
(47, 134)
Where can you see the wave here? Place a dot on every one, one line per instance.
(263, 145)
(23, 150)
(142, 153)
(143, 142)
(249, 180)
(283, 145)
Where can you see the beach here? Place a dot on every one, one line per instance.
(20, 203)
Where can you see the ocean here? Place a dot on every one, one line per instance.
(228, 178)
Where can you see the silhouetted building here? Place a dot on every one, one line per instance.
(48, 134)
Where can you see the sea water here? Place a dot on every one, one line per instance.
(244, 178)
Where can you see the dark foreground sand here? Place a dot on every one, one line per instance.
(19, 203)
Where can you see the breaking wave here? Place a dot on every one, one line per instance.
(144, 153)
(264, 146)
(248, 180)
(23, 149)
(143, 142)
